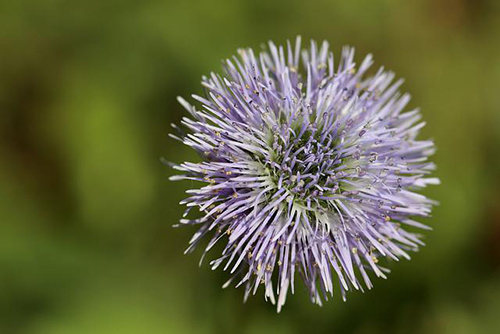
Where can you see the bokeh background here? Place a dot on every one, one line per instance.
(87, 92)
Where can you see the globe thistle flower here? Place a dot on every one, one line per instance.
(307, 167)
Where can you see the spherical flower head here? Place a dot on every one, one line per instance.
(307, 167)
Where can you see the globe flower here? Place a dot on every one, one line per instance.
(307, 167)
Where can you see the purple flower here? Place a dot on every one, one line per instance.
(307, 167)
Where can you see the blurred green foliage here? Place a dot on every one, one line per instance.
(87, 93)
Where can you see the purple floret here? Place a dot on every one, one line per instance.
(307, 168)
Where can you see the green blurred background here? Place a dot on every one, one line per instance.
(87, 93)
